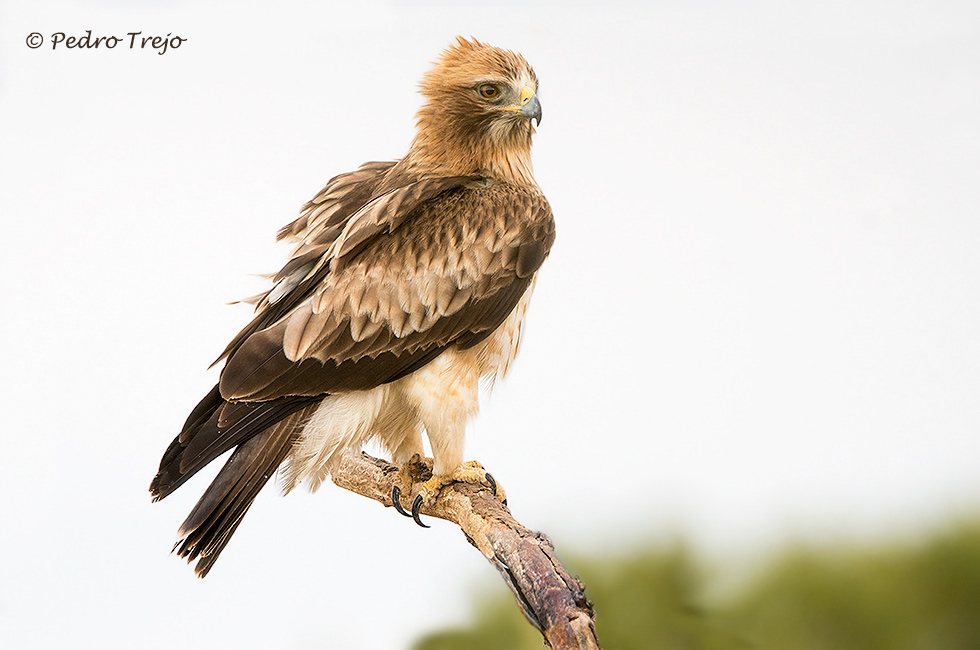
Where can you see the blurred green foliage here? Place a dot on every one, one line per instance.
(894, 596)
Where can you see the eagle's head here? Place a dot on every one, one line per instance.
(480, 101)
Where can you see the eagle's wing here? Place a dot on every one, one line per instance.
(390, 294)
(347, 212)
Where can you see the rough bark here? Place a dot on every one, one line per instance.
(552, 600)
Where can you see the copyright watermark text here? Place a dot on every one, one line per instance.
(131, 41)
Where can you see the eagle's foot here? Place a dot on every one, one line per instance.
(468, 472)
(473, 472)
(416, 469)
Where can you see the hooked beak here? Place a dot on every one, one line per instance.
(529, 107)
(532, 109)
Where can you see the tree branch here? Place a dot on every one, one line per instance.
(551, 599)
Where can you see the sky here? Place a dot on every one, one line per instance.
(759, 321)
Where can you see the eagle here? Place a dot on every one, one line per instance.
(407, 287)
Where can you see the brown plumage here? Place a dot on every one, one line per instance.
(408, 284)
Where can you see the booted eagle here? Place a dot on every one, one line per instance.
(408, 284)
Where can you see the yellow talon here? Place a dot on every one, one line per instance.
(469, 472)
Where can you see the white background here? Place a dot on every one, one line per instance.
(760, 318)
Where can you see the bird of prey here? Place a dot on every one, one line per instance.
(407, 287)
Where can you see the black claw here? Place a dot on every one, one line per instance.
(493, 483)
(396, 500)
(415, 511)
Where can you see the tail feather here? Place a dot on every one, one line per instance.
(261, 433)
(214, 427)
(218, 513)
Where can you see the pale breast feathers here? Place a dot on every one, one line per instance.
(372, 296)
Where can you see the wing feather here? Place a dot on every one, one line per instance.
(459, 296)
(214, 427)
(348, 213)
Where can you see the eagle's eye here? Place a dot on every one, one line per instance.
(489, 91)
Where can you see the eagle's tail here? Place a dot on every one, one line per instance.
(262, 435)
(217, 514)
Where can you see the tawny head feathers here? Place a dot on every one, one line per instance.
(477, 117)
(466, 62)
